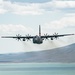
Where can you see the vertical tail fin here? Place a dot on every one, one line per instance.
(39, 30)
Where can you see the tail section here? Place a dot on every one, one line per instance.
(39, 30)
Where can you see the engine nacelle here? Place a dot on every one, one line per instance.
(24, 39)
(51, 38)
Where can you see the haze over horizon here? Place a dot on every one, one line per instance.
(24, 16)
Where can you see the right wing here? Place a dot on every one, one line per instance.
(19, 37)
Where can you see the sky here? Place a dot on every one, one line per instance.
(24, 16)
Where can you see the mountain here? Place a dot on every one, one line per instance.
(63, 54)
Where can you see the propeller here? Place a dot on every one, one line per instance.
(46, 37)
(28, 37)
(45, 34)
(18, 37)
(55, 34)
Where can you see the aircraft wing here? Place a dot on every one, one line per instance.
(55, 36)
(19, 37)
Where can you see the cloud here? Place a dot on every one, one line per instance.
(14, 28)
(64, 4)
(21, 8)
(2, 11)
(66, 21)
(30, 1)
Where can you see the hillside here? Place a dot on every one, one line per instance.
(63, 54)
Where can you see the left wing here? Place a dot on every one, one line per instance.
(55, 36)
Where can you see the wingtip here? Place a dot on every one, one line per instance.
(73, 34)
(2, 37)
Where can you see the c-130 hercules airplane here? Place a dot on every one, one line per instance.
(38, 39)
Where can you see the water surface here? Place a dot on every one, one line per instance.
(37, 69)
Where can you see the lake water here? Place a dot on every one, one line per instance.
(37, 69)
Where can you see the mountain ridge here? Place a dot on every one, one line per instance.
(64, 54)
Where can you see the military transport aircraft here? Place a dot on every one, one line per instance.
(38, 39)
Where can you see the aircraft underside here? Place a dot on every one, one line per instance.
(37, 40)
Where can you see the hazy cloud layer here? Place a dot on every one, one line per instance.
(14, 28)
(66, 21)
(38, 9)
(30, 1)
(35, 8)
